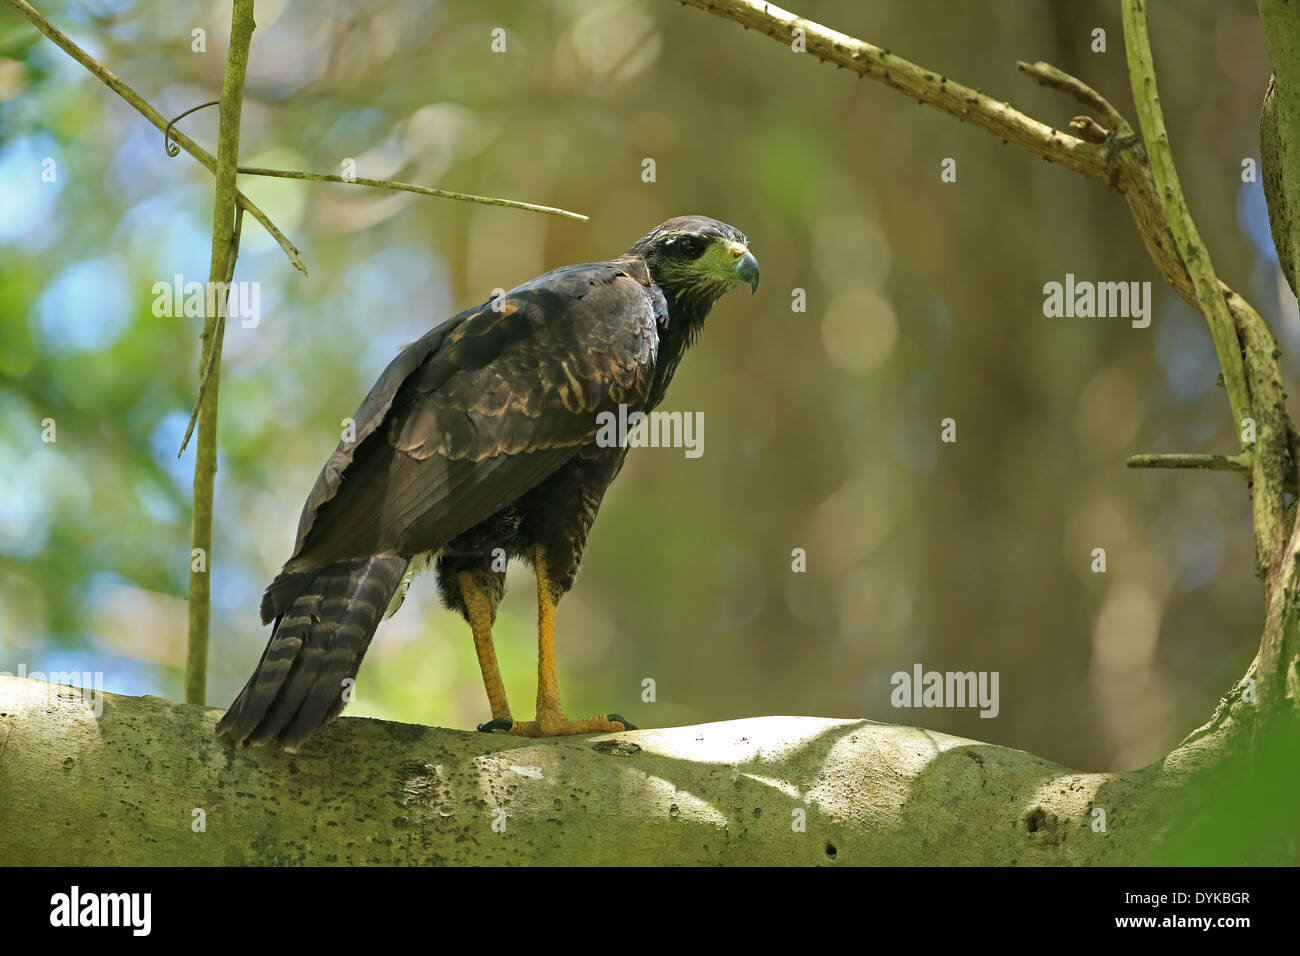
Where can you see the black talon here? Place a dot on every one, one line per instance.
(627, 724)
(497, 723)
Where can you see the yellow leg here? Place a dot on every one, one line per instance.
(548, 694)
(551, 721)
(480, 622)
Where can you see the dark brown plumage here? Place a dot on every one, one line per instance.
(478, 442)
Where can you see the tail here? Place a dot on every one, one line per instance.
(317, 644)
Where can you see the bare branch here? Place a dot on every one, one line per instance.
(1281, 125)
(1238, 465)
(221, 269)
(221, 331)
(408, 187)
(1053, 78)
(868, 60)
(1196, 257)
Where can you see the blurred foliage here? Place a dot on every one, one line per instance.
(924, 302)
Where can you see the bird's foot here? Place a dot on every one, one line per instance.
(561, 726)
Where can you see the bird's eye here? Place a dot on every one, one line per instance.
(689, 246)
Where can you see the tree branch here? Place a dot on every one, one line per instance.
(1196, 258)
(408, 187)
(208, 369)
(1237, 464)
(1282, 33)
(1052, 78)
(868, 60)
(766, 790)
(220, 270)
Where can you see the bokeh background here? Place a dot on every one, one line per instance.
(924, 301)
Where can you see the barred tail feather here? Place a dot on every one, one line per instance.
(317, 644)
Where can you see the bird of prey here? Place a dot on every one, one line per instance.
(481, 442)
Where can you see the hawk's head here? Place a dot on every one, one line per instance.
(694, 259)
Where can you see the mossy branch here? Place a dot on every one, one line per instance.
(1236, 464)
(1281, 22)
(1196, 258)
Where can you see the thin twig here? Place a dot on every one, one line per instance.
(170, 147)
(1088, 129)
(1237, 464)
(408, 187)
(225, 222)
(221, 330)
(1054, 78)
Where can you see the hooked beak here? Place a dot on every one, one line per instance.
(747, 271)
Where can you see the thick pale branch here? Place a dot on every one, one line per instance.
(126, 787)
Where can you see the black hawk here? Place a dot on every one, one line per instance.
(482, 442)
